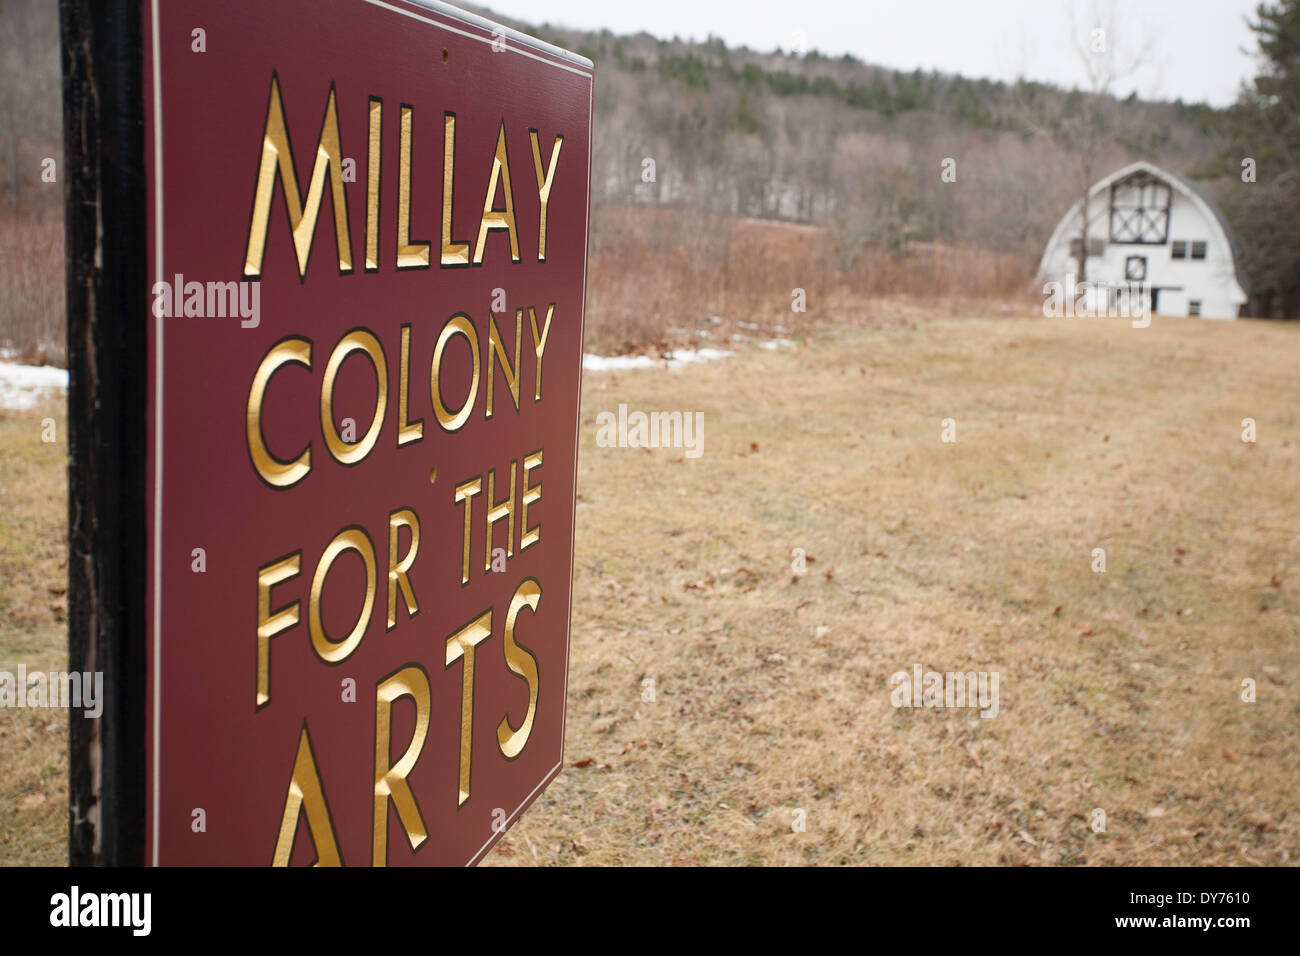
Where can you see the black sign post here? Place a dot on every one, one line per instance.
(104, 196)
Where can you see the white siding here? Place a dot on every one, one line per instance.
(1211, 281)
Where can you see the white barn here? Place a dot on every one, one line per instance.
(1150, 226)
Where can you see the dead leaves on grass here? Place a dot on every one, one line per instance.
(742, 579)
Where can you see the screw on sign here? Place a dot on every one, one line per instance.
(359, 281)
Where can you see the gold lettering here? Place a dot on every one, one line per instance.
(269, 624)
(521, 661)
(498, 510)
(327, 649)
(462, 644)
(398, 571)
(274, 471)
(497, 356)
(305, 790)
(349, 453)
(391, 782)
(458, 324)
(410, 255)
(277, 154)
(544, 183)
(539, 342)
(465, 491)
(407, 431)
(372, 183)
(498, 218)
(533, 493)
(454, 253)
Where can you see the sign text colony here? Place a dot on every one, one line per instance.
(277, 617)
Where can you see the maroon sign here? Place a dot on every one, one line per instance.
(367, 228)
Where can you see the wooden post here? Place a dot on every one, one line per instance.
(105, 209)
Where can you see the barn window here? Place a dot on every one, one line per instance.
(1135, 268)
(1139, 209)
(1193, 306)
(1198, 250)
(1180, 250)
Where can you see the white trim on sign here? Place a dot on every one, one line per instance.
(485, 24)
(158, 433)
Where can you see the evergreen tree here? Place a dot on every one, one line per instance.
(1262, 133)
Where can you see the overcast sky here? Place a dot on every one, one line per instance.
(1196, 46)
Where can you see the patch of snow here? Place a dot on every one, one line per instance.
(674, 359)
(748, 325)
(773, 344)
(616, 363)
(22, 385)
(683, 356)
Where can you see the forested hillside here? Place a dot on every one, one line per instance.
(857, 147)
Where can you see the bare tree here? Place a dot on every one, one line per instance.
(30, 97)
(1083, 124)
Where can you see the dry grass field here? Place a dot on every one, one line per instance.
(33, 631)
(1119, 691)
